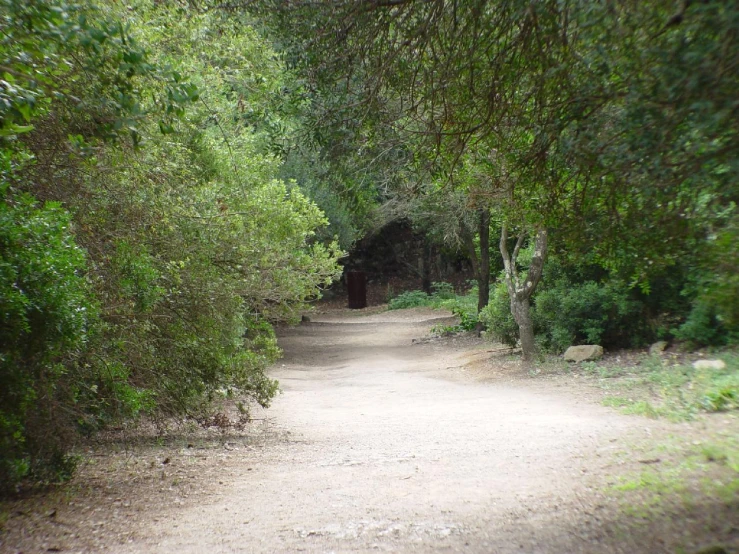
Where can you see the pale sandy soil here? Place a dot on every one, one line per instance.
(377, 444)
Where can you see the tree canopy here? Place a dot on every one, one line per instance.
(609, 127)
(175, 178)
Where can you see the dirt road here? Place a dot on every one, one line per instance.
(381, 445)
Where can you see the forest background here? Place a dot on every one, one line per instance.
(179, 177)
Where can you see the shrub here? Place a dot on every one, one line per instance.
(443, 297)
(589, 312)
(566, 312)
(497, 317)
(443, 291)
(713, 290)
(716, 305)
(702, 327)
(468, 319)
(409, 299)
(44, 319)
(192, 247)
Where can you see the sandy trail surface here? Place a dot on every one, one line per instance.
(379, 444)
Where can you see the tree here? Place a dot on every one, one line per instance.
(449, 82)
(521, 288)
(144, 221)
(612, 120)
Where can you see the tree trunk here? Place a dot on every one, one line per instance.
(520, 292)
(483, 279)
(481, 261)
(468, 241)
(426, 266)
(521, 310)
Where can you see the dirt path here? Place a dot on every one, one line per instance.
(381, 448)
(380, 443)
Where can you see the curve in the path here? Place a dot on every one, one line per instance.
(379, 454)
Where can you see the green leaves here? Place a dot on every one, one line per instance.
(192, 246)
(45, 316)
(49, 47)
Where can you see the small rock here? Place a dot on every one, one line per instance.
(583, 353)
(304, 319)
(709, 364)
(657, 348)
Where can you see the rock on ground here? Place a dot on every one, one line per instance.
(583, 353)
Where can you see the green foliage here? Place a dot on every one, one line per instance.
(193, 246)
(658, 388)
(467, 319)
(702, 326)
(587, 313)
(315, 178)
(497, 317)
(49, 47)
(410, 299)
(203, 268)
(721, 399)
(551, 115)
(721, 272)
(45, 315)
(713, 289)
(443, 297)
(581, 303)
(443, 291)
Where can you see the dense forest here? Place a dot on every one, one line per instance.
(179, 177)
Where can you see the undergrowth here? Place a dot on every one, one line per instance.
(661, 387)
(443, 297)
(680, 475)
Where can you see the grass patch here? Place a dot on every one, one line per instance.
(658, 482)
(725, 453)
(617, 402)
(443, 297)
(643, 408)
(671, 389)
(5, 513)
(681, 478)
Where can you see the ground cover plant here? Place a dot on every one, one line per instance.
(671, 388)
(694, 469)
(679, 477)
(442, 297)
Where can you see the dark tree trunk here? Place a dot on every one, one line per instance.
(481, 261)
(520, 292)
(483, 279)
(426, 266)
(468, 242)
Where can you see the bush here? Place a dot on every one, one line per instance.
(713, 319)
(468, 319)
(587, 313)
(410, 299)
(497, 317)
(702, 327)
(44, 319)
(443, 297)
(157, 294)
(566, 312)
(443, 291)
